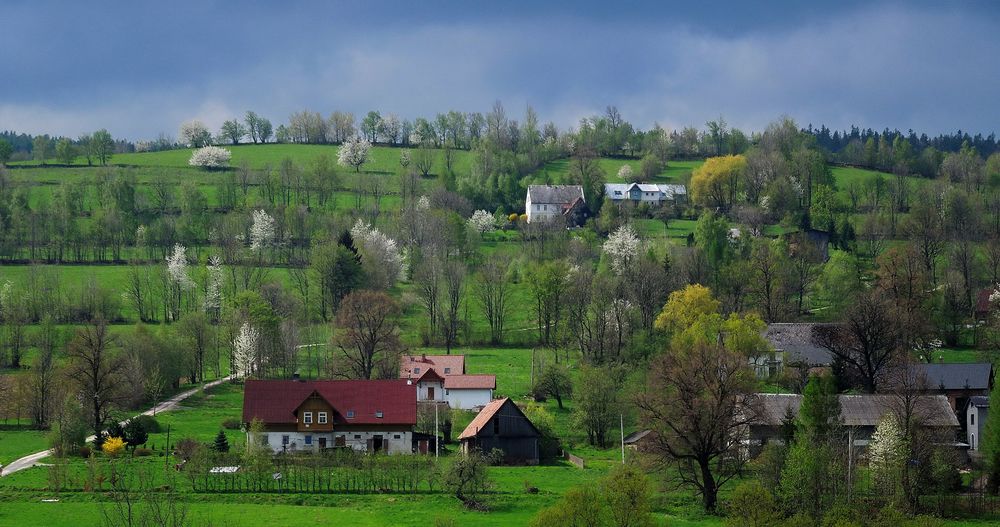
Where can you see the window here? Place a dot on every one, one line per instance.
(496, 426)
(357, 436)
(322, 418)
(350, 414)
(395, 436)
(972, 419)
(447, 371)
(378, 414)
(284, 440)
(307, 418)
(309, 439)
(416, 371)
(263, 440)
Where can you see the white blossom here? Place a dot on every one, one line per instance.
(622, 246)
(423, 203)
(483, 222)
(213, 289)
(140, 236)
(245, 350)
(404, 158)
(995, 295)
(380, 252)
(195, 134)
(415, 138)
(210, 157)
(177, 268)
(261, 231)
(354, 152)
(887, 450)
(625, 173)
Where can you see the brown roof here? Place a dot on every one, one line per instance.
(454, 363)
(470, 382)
(983, 303)
(483, 418)
(275, 402)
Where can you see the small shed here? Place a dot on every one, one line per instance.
(502, 425)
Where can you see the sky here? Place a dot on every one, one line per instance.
(142, 68)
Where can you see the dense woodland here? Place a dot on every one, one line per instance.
(128, 273)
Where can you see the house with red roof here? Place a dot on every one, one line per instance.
(369, 416)
(501, 425)
(442, 378)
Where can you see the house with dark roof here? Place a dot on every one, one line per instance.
(976, 412)
(502, 425)
(958, 382)
(442, 378)
(370, 416)
(547, 202)
(799, 343)
(859, 414)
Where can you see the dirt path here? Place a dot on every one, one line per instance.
(32, 459)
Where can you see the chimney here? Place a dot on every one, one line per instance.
(297, 377)
(423, 357)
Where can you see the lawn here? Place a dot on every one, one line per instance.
(558, 171)
(18, 441)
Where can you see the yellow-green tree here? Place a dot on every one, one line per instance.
(714, 183)
(684, 307)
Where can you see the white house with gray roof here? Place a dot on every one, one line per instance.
(651, 193)
(546, 202)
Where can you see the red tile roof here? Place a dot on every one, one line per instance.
(275, 402)
(483, 418)
(454, 363)
(470, 382)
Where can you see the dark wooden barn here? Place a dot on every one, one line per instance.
(502, 425)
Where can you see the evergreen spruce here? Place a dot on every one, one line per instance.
(221, 443)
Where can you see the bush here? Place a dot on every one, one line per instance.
(83, 451)
(751, 505)
(232, 423)
(149, 423)
(186, 448)
(210, 157)
(143, 452)
(113, 446)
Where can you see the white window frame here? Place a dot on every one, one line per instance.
(321, 418)
(307, 418)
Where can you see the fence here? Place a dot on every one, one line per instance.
(576, 460)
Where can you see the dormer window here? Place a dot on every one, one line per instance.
(378, 414)
(416, 371)
(447, 371)
(350, 414)
(307, 418)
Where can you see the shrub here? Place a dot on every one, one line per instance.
(221, 443)
(143, 452)
(751, 505)
(232, 423)
(113, 446)
(210, 157)
(186, 448)
(149, 423)
(84, 451)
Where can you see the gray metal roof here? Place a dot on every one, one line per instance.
(973, 376)
(859, 410)
(635, 437)
(555, 194)
(798, 341)
(979, 401)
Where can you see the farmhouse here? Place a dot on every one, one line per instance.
(502, 425)
(859, 414)
(547, 202)
(957, 382)
(650, 193)
(370, 416)
(442, 378)
(976, 412)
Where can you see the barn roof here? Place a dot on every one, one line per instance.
(973, 376)
(486, 414)
(858, 410)
(799, 342)
(979, 401)
(275, 402)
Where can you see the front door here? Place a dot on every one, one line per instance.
(430, 393)
(322, 443)
(377, 443)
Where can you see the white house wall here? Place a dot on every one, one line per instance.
(466, 399)
(400, 442)
(422, 391)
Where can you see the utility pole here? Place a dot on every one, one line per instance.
(621, 423)
(437, 437)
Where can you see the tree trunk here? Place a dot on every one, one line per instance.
(710, 491)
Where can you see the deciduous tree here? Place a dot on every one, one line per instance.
(368, 336)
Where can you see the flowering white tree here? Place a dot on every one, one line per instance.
(213, 287)
(389, 128)
(625, 173)
(261, 231)
(210, 157)
(887, 452)
(483, 222)
(195, 134)
(245, 351)
(384, 262)
(354, 153)
(177, 268)
(423, 203)
(404, 158)
(622, 246)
